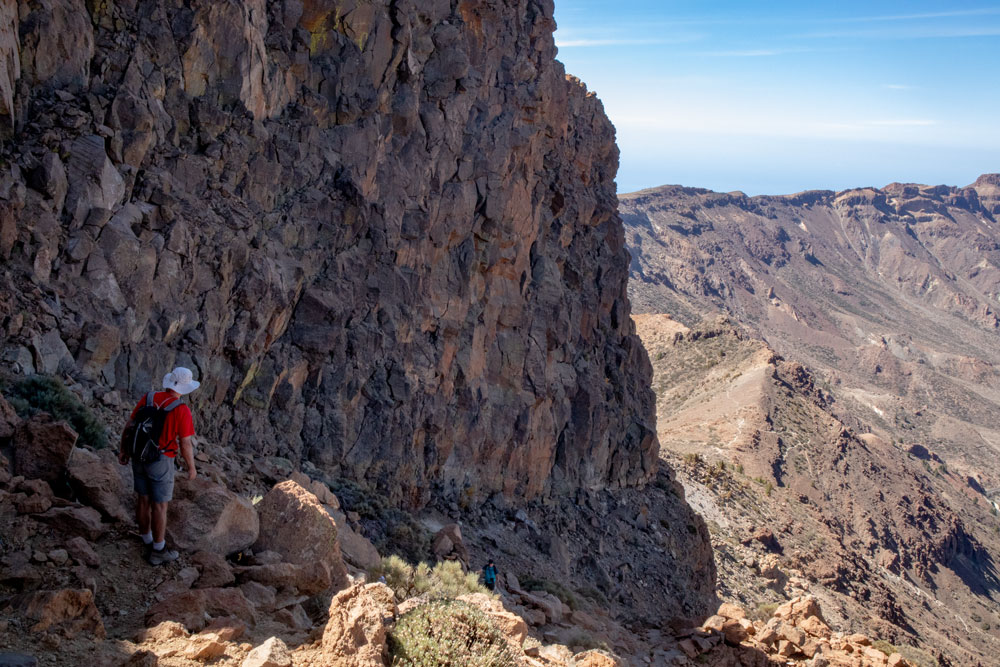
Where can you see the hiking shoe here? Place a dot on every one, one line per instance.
(162, 556)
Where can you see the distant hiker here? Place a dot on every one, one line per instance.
(159, 425)
(490, 575)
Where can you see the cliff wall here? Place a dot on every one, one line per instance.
(384, 234)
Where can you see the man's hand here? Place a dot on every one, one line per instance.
(123, 458)
(192, 473)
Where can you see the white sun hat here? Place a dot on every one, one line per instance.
(180, 380)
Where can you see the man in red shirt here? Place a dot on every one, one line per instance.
(154, 482)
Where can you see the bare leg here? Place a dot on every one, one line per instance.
(142, 514)
(159, 521)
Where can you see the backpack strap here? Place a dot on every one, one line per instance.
(151, 399)
(173, 404)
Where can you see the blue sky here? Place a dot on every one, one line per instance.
(782, 96)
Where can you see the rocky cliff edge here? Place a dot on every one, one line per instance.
(384, 234)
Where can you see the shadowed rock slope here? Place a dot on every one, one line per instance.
(384, 234)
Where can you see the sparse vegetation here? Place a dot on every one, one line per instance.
(44, 393)
(885, 646)
(692, 458)
(584, 641)
(764, 611)
(446, 579)
(448, 633)
(530, 583)
(390, 529)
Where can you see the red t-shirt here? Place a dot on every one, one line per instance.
(177, 425)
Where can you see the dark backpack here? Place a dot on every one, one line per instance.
(143, 436)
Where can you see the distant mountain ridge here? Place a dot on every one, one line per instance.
(891, 298)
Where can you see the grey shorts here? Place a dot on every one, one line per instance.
(155, 479)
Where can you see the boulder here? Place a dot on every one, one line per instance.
(272, 653)
(205, 516)
(69, 611)
(8, 420)
(294, 617)
(512, 626)
(355, 635)
(595, 658)
(42, 447)
(142, 659)
(448, 544)
(161, 632)
(549, 604)
(815, 627)
(82, 552)
(294, 523)
(194, 608)
(795, 611)
(310, 579)
(97, 483)
(356, 548)
(214, 570)
(74, 520)
(186, 609)
(228, 602)
(17, 660)
(260, 596)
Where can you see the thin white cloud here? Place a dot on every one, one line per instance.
(751, 53)
(585, 42)
(901, 122)
(909, 32)
(987, 11)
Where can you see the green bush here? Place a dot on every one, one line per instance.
(530, 583)
(884, 646)
(43, 393)
(764, 611)
(449, 633)
(447, 579)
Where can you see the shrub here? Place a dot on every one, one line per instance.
(765, 611)
(884, 646)
(449, 633)
(530, 583)
(43, 393)
(447, 579)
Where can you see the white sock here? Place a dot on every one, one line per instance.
(158, 546)
(147, 538)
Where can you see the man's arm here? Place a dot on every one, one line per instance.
(187, 451)
(123, 453)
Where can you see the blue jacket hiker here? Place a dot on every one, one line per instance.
(490, 575)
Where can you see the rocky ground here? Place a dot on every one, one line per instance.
(797, 502)
(275, 575)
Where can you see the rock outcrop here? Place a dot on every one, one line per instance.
(383, 233)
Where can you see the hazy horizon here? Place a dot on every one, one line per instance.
(790, 97)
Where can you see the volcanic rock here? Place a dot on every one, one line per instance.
(70, 612)
(97, 482)
(206, 516)
(355, 635)
(272, 653)
(42, 448)
(294, 524)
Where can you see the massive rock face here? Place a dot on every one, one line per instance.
(383, 233)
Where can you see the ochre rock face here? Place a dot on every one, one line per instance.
(383, 234)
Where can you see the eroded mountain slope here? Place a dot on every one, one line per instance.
(891, 295)
(797, 500)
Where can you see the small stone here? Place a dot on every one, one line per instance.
(272, 653)
(59, 556)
